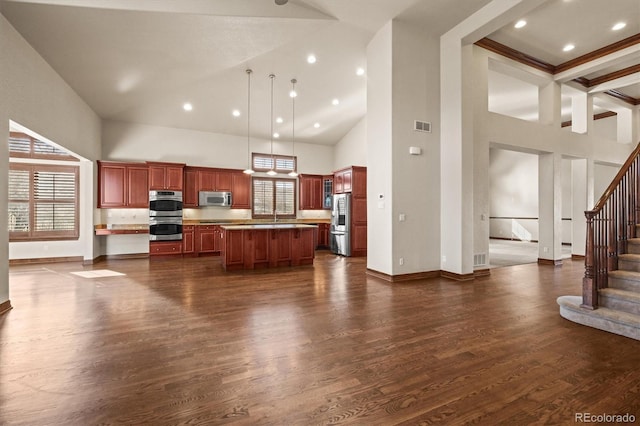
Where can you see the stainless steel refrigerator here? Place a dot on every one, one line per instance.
(340, 233)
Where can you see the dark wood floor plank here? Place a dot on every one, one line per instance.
(180, 341)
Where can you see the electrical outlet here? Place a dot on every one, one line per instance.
(401, 261)
(545, 249)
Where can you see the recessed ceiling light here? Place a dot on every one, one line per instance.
(276, 135)
(335, 102)
(619, 26)
(187, 107)
(311, 59)
(317, 125)
(521, 23)
(279, 120)
(568, 47)
(235, 113)
(360, 71)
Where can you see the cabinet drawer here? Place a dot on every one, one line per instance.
(165, 247)
(207, 227)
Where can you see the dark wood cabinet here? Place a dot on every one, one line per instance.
(223, 180)
(188, 239)
(241, 190)
(267, 248)
(208, 239)
(327, 192)
(166, 176)
(190, 190)
(165, 248)
(323, 235)
(354, 180)
(122, 185)
(210, 179)
(233, 252)
(214, 179)
(311, 192)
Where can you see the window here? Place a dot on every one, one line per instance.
(24, 146)
(43, 202)
(278, 163)
(274, 198)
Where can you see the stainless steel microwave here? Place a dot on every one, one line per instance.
(214, 198)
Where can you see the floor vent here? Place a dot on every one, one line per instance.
(480, 259)
(422, 126)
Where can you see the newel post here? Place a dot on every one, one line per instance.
(589, 290)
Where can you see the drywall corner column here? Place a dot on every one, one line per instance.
(550, 206)
(4, 233)
(550, 104)
(635, 125)
(379, 152)
(579, 189)
(625, 125)
(481, 155)
(456, 158)
(582, 113)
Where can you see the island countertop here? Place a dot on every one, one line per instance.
(258, 226)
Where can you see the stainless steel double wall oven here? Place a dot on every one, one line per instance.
(165, 215)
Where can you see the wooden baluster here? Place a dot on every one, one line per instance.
(589, 292)
(611, 234)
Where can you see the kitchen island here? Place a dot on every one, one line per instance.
(267, 245)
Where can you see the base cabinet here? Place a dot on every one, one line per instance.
(188, 239)
(208, 239)
(165, 248)
(323, 235)
(267, 248)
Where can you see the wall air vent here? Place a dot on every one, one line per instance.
(480, 259)
(422, 126)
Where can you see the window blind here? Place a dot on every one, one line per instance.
(43, 202)
(274, 197)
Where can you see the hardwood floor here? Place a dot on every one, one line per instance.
(183, 342)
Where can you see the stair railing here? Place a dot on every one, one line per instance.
(609, 225)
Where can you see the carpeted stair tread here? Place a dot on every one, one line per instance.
(614, 321)
(631, 296)
(626, 275)
(630, 257)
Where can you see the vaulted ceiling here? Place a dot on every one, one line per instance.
(141, 61)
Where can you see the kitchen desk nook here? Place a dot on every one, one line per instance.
(267, 245)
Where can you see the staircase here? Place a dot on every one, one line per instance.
(611, 285)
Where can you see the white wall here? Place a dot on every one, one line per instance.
(415, 178)
(513, 180)
(379, 151)
(496, 130)
(139, 142)
(34, 96)
(513, 185)
(351, 150)
(603, 176)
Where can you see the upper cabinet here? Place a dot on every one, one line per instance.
(123, 185)
(240, 190)
(311, 193)
(198, 179)
(190, 190)
(214, 179)
(352, 179)
(327, 192)
(165, 176)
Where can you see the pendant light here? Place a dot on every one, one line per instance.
(293, 94)
(249, 169)
(272, 171)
